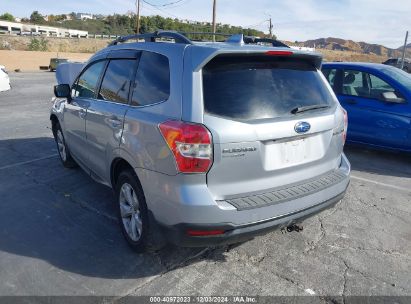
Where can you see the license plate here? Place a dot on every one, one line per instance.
(294, 151)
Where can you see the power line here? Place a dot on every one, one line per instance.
(179, 4)
(257, 24)
(161, 10)
(167, 4)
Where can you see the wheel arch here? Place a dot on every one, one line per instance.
(54, 121)
(118, 165)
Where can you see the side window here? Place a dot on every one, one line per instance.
(85, 86)
(354, 84)
(379, 86)
(152, 83)
(365, 85)
(116, 81)
(330, 75)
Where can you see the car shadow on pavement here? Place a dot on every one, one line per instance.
(379, 162)
(63, 218)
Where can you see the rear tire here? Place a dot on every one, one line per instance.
(62, 148)
(140, 232)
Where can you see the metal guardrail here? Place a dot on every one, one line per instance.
(179, 37)
(39, 35)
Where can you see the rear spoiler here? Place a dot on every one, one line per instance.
(314, 58)
(66, 73)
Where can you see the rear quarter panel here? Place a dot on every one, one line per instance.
(142, 143)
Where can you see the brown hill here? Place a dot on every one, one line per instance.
(337, 44)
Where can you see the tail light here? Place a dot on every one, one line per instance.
(345, 125)
(342, 127)
(191, 145)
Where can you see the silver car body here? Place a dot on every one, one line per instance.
(4, 79)
(264, 174)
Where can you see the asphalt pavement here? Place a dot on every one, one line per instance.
(59, 235)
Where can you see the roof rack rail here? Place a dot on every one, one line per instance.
(180, 37)
(206, 33)
(151, 37)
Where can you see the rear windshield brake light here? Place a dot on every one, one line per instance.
(279, 53)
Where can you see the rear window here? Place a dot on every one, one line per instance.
(250, 88)
(152, 83)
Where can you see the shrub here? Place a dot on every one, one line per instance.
(38, 44)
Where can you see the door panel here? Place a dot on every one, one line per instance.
(105, 116)
(104, 130)
(75, 127)
(75, 112)
(371, 120)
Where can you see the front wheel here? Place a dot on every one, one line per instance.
(64, 152)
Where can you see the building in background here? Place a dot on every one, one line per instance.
(25, 29)
(84, 16)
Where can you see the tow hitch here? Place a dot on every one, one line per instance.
(291, 228)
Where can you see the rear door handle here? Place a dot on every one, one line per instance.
(115, 122)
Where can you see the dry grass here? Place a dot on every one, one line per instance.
(31, 61)
(72, 45)
(330, 55)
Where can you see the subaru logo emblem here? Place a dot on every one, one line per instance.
(302, 127)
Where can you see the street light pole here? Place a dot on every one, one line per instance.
(403, 51)
(138, 17)
(271, 28)
(214, 18)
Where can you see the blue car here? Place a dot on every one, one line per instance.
(377, 98)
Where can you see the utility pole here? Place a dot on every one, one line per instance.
(138, 17)
(403, 51)
(271, 28)
(214, 16)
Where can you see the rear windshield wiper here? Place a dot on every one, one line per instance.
(308, 108)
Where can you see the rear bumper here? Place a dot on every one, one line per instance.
(177, 234)
(182, 203)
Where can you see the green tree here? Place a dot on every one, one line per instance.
(37, 18)
(125, 25)
(7, 16)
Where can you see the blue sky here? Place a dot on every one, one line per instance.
(374, 21)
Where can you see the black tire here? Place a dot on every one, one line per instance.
(65, 156)
(150, 239)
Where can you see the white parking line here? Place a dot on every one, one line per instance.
(380, 183)
(28, 162)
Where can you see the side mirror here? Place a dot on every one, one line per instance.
(392, 97)
(62, 91)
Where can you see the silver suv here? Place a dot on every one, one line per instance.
(204, 143)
